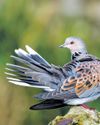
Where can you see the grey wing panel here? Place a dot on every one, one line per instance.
(57, 95)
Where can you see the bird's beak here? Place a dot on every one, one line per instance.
(62, 46)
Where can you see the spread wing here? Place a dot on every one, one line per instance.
(86, 79)
(82, 82)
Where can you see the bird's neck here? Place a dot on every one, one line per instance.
(76, 55)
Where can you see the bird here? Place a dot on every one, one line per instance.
(75, 83)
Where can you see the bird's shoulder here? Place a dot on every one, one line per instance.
(83, 62)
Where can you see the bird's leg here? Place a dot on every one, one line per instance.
(86, 107)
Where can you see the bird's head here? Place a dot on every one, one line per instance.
(74, 44)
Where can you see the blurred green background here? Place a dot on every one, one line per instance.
(44, 25)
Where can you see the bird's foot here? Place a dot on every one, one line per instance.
(87, 107)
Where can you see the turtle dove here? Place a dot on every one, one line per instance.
(75, 83)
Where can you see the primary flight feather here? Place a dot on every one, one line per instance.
(77, 82)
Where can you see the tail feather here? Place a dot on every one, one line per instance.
(23, 56)
(20, 83)
(34, 55)
(31, 69)
(32, 58)
(32, 65)
(48, 104)
(27, 75)
(25, 81)
(17, 69)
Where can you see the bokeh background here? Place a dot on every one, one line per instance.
(44, 25)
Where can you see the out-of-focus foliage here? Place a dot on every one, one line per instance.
(43, 25)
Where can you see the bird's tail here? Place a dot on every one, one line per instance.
(30, 69)
(48, 104)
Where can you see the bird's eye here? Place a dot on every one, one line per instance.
(72, 42)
